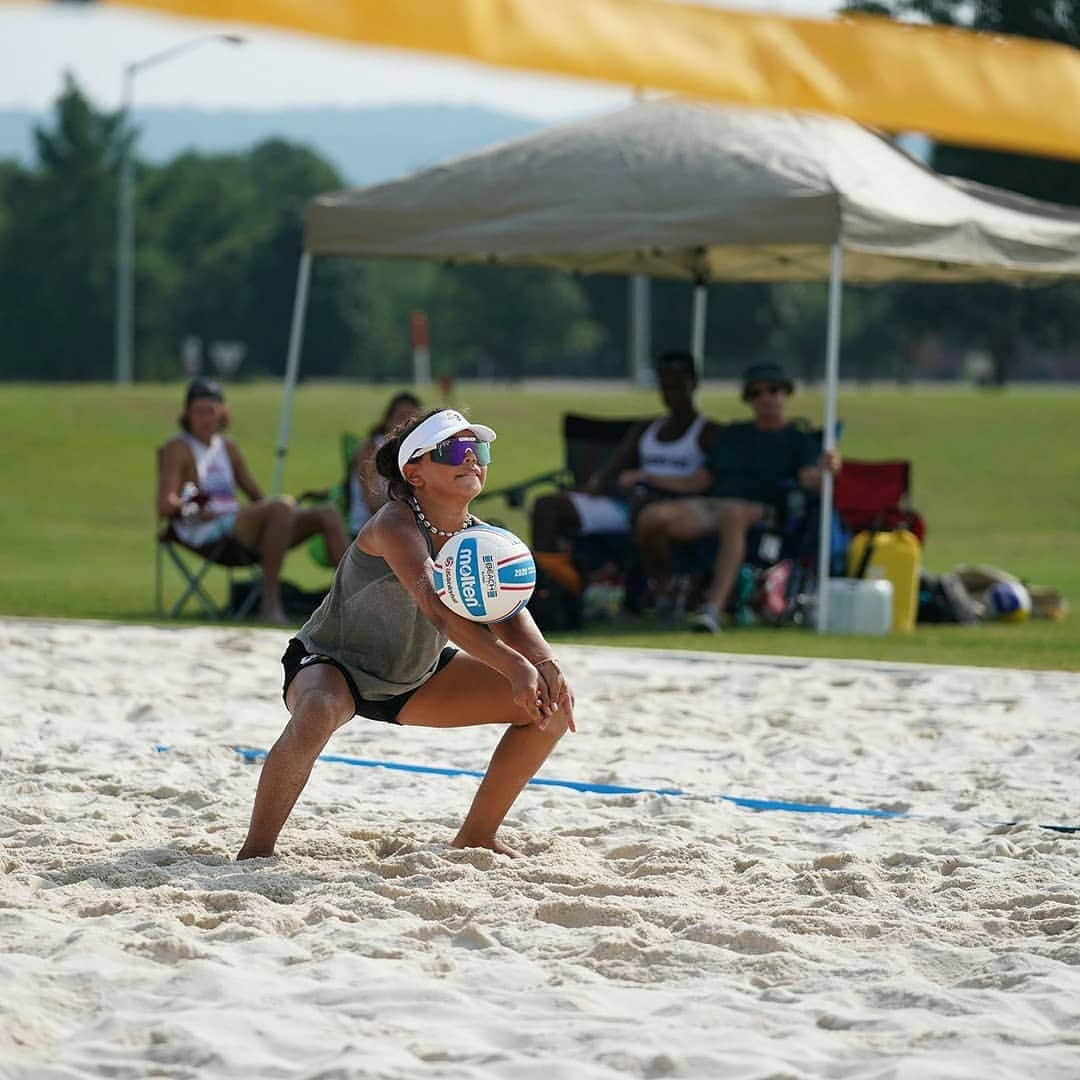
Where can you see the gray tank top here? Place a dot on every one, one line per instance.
(370, 624)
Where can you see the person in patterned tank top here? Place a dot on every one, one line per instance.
(201, 469)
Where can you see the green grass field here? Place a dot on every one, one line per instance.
(996, 475)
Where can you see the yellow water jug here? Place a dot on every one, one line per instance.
(895, 556)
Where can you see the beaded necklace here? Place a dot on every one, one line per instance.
(414, 503)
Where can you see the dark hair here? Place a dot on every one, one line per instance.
(678, 359)
(200, 387)
(398, 399)
(203, 388)
(397, 487)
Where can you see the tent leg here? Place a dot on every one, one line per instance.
(832, 375)
(292, 368)
(639, 328)
(697, 326)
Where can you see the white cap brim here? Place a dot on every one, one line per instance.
(441, 425)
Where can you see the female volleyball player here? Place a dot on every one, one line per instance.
(377, 645)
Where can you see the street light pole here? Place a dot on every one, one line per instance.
(125, 244)
(124, 347)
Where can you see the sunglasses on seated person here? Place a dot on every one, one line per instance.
(452, 451)
(758, 389)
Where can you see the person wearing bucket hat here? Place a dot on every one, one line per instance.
(765, 376)
(201, 469)
(748, 465)
(378, 644)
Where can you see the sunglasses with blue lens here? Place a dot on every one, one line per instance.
(452, 451)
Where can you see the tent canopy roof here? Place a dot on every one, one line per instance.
(684, 190)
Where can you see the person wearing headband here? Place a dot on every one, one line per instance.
(201, 468)
(379, 644)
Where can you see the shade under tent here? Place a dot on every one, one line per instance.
(702, 193)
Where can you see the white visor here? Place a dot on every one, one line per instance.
(441, 425)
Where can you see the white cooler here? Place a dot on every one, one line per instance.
(859, 606)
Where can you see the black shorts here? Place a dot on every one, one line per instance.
(386, 710)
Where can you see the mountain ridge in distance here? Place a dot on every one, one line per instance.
(366, 144)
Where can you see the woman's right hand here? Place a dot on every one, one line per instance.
(558, 694)
(530, 692)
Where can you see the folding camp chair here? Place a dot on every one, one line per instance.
(193, 568)
(588, 444)
(340, 495)
(193, 564)
(875, 495)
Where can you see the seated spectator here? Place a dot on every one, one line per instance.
(748, 465)
(200, 471)
(367, 490)
(651, 461)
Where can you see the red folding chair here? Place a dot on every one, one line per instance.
(875, 496)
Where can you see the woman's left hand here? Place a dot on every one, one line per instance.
(557, 692)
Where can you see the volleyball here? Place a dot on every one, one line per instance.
(1007, 601)
(484, 574)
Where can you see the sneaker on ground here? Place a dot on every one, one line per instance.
(706, 620)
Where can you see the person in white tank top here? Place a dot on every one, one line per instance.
(730, 494)
(200, 470)
(652, 462)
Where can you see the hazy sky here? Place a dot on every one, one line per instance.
(38, 42)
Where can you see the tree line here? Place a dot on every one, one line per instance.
(1014, 325)
(219, 235)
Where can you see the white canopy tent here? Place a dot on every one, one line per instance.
(704, 193)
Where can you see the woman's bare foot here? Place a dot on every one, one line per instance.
(251, 853)
(492, 843)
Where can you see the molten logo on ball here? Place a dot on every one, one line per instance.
(484, 574)
(466, 579)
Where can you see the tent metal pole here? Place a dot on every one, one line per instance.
(639, 329)
(832, 376)
(292, 368)
(697, 325)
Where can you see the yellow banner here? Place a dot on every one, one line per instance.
(955, 85)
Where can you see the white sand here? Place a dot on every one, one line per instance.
(645, 937)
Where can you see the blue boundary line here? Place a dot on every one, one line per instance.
(251, 754)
